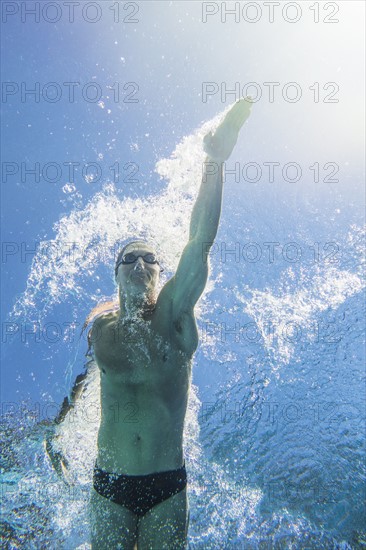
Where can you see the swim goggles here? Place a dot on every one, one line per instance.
(131, 258)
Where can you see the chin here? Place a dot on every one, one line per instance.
(140, 282)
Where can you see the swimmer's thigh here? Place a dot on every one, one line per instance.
(165, 526)
(112, 525)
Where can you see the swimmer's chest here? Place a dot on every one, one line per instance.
(137, 352)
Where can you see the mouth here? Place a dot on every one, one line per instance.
(139, 274)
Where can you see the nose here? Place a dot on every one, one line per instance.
(139, 264)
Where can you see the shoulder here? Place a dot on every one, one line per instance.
(105, 318)
(101, 323)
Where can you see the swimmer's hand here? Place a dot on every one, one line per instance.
(58, 461)
(220, 145)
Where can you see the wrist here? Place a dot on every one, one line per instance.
(216, 160)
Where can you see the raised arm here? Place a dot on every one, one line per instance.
(191, 276)
(218, 146)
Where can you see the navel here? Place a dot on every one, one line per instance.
(178, 326)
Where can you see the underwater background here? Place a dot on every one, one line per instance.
(104, 108)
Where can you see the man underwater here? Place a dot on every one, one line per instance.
(144, 353)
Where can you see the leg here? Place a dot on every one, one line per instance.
(112, 526)
(165, 526)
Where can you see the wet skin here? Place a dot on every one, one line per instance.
(145, 364)
(144, 353)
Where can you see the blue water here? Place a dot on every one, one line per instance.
(274, 440)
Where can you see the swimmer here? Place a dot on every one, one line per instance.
(144, 353)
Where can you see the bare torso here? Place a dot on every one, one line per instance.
(146, 366)
(145, 373)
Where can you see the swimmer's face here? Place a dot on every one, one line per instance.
(139, 274)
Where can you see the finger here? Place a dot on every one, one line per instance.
(239, 113)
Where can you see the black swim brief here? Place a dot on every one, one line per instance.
(139, 493)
